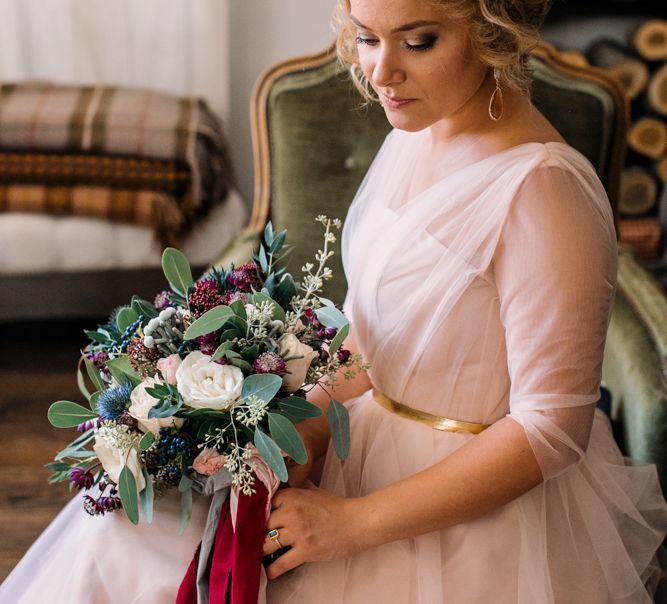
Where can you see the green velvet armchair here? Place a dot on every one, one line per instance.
(313, 142)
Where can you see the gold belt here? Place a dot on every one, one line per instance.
(434, 421)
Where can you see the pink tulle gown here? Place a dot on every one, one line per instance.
(485, 295)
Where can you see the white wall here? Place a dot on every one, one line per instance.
(263, 32)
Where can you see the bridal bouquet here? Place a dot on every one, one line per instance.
(209, 377)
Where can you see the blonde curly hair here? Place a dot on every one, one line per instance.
(502, 32)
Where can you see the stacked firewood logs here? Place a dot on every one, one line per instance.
(640, 66)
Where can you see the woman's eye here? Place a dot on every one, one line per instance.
(422, 45)
(367, 41)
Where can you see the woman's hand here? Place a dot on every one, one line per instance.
(315, 524)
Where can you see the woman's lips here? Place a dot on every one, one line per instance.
(395, 103)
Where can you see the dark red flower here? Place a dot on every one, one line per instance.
(269, 362)
(245, 277)
(204, 298)
(343, 355)
(81, 478)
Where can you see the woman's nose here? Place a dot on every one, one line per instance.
(387, 70)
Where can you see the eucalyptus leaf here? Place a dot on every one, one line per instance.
(57, 466)
(127, 488)
(230, 334)
(94, 374)
(243, 365)
(326, 301)
(184, 484)
(209, 322)
(58, 477)
(339, 339)
(263, 261)
(220, 350)
(270, 454)
(287, 438)
(75, 453)
(66, 414)
(125, 318)
(147, 496)
(268, 233)
(177, 270)
(239, 309)
(82, 440)
(81, 383)
(164, 409)
(330, 316)
(277, 242)
(240, 324)
(143, 307)
(97, 336)
(339, 426)
(121, 370)
(263, 385)
(285, 290)
(146, 441)
(298, 408)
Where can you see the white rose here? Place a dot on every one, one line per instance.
(206, 384)
(290, 346)
(113, 459)
(141, 404)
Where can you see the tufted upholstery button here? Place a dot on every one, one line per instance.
(351, 162)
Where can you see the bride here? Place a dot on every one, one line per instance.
(481, 257)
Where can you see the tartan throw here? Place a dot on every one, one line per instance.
(154, 209)
(43, 118)
(96, 170)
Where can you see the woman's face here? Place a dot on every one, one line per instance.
(420, 63)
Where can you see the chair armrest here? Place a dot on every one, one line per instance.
(239, 250)
(648, 300)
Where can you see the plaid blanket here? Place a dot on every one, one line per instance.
(45, 118)
(154, 209)
(108, 171)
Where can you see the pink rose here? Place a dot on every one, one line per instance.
(208, 462)
(168, 368)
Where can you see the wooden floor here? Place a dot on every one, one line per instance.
(37, 367)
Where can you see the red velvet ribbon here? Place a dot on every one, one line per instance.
(236, 560)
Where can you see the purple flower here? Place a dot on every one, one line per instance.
(269, 362)
(208, 343)
(162, 300)
(245, 277)
(327, 333)
(81, 478)
(91, 507)
(87, 425)
(309, 313)
(99, 359)
(109, 504)
(343, 355)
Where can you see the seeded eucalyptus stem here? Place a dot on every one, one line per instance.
(313, 282)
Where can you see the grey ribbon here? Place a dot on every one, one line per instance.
(219, 486)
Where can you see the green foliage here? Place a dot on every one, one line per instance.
(143, 307)
(262, 385)
(127, 488)
(125, 318)
(146, 441)
(209, 322)
(177, 271)
(66, 414)
(270, 452)
(339, 425)
(287, 438)
(93, 374)
(298, 409)
(121, 370)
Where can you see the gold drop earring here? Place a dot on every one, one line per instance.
(496, 102)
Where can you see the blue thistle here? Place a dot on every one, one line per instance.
(113, 402)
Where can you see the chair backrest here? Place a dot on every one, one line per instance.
(314, 139)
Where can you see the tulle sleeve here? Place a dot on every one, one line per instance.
(555, 270)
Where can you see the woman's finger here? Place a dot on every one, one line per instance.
(287, 561)
(271, 546)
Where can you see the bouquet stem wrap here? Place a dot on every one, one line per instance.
(227, 566)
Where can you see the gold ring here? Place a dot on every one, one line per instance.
(274, 535)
